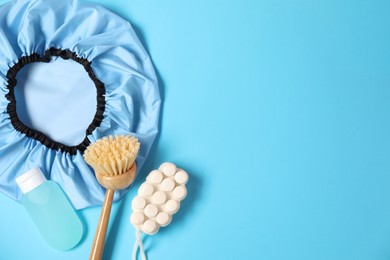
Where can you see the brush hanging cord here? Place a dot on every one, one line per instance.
(78, 86)
(138, 244)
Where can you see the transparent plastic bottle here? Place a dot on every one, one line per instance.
(50, 210)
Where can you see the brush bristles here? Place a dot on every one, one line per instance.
(112, 155)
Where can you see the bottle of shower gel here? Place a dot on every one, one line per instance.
(50, 210)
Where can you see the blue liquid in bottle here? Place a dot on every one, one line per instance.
(50, 210)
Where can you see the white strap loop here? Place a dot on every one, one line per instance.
(138, 243)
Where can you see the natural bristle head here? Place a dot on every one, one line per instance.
(112, 155)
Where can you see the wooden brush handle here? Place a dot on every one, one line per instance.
(101, 230)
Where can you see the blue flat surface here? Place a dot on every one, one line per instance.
(279, 111)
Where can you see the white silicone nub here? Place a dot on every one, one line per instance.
(159, 198)
(172, 206)
(168, 169)
(150, 227)
(138, 203)
(30, 180)
(181, 177)
(146, 189)
(180, 192)
(137, 218)
(168, 184)
(163, 219)
(155, 177)
(151, 210)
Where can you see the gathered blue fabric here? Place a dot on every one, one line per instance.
(107, 49)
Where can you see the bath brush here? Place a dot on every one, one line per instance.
(113, 160)
(158, 199)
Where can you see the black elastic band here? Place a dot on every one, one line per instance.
(35, 134)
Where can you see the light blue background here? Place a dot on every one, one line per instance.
(279, 110)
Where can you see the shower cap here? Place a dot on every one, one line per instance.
(71, 72)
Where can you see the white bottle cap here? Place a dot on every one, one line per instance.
(30, 180)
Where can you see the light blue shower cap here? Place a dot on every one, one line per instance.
(95, 51)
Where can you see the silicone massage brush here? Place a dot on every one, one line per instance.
(113, 160)
(158, 199)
